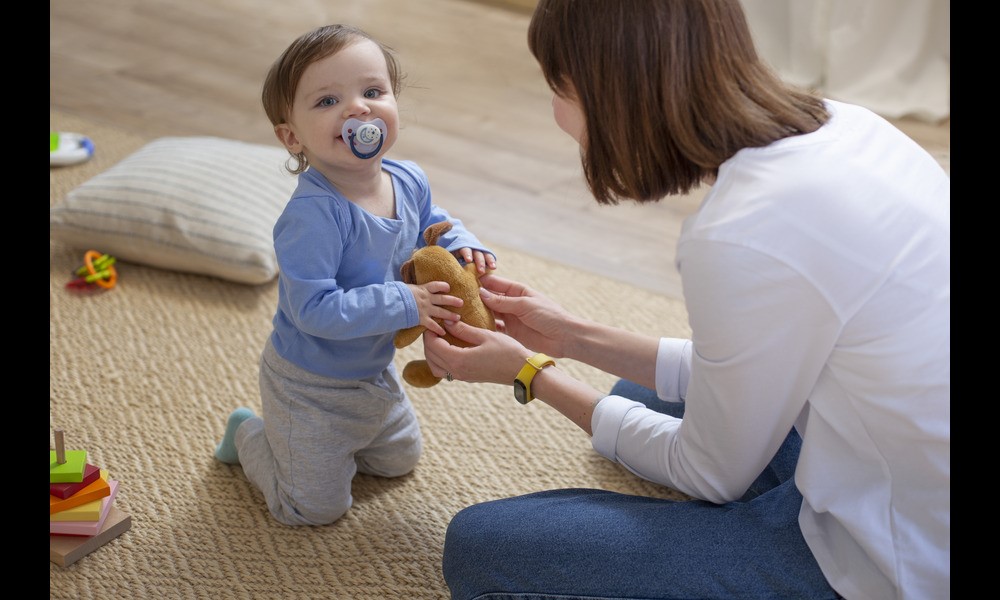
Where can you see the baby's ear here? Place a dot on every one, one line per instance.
(287, 138)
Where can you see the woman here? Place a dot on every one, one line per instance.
(815, 388)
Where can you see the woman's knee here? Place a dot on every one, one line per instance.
(464, 533)
(463, 562)
(487, 536)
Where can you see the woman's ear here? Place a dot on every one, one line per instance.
(287, 137)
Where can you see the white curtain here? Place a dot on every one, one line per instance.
(891, 56)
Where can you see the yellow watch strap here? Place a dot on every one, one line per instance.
(531, 367)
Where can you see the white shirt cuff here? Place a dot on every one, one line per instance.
(673, 369)
(606, 423)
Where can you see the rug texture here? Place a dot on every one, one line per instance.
(144, 375)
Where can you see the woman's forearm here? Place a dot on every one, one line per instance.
(573, 398)
(627, 354)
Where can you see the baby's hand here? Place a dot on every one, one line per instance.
(482, 260)
(431, 299)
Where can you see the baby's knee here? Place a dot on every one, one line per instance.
(321, 511)
(395, 468)
(394, 465)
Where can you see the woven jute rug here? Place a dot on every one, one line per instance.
(143, 376)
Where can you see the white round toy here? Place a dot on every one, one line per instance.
(69, 148)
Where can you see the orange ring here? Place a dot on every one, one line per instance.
(110, 281)
(88, 261)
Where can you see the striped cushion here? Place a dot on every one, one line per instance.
(196, 204)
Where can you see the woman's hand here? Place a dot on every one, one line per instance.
(528, 316)
(492, 357)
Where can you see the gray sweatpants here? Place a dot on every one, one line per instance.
(315, 433)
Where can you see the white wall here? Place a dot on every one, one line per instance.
(892, 56)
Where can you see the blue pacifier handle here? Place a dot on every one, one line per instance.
(365, 138)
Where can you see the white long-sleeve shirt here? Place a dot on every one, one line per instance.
(817, 278)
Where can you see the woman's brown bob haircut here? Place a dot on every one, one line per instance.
(670, 89)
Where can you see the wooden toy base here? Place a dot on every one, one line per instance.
(65, 550)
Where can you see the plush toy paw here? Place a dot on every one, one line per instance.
(418, 374)
(434, 263)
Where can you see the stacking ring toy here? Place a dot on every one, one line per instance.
(98, 269)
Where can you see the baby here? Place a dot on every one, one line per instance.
(332, 401)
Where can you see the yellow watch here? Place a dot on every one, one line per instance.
(522, 383)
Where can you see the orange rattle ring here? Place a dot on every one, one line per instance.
(110, 274)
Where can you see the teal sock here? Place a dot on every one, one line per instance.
(226, 450)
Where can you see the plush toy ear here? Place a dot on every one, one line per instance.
(435, 231)
(408, 272)
(405, 337)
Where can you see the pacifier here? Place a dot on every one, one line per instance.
(364, 137)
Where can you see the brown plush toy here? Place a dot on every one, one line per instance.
(434, 263)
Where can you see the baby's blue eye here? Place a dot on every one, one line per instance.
(372, 93)
(328, 101)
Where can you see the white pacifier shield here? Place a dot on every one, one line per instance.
(363, 136)
(368, 134)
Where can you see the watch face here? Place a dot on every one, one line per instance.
(520, 392)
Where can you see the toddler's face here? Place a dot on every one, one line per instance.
(352, 83)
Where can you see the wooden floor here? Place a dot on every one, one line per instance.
(476, 112)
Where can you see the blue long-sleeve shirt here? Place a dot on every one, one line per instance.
(340, 298)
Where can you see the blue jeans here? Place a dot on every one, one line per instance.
(593, 544)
